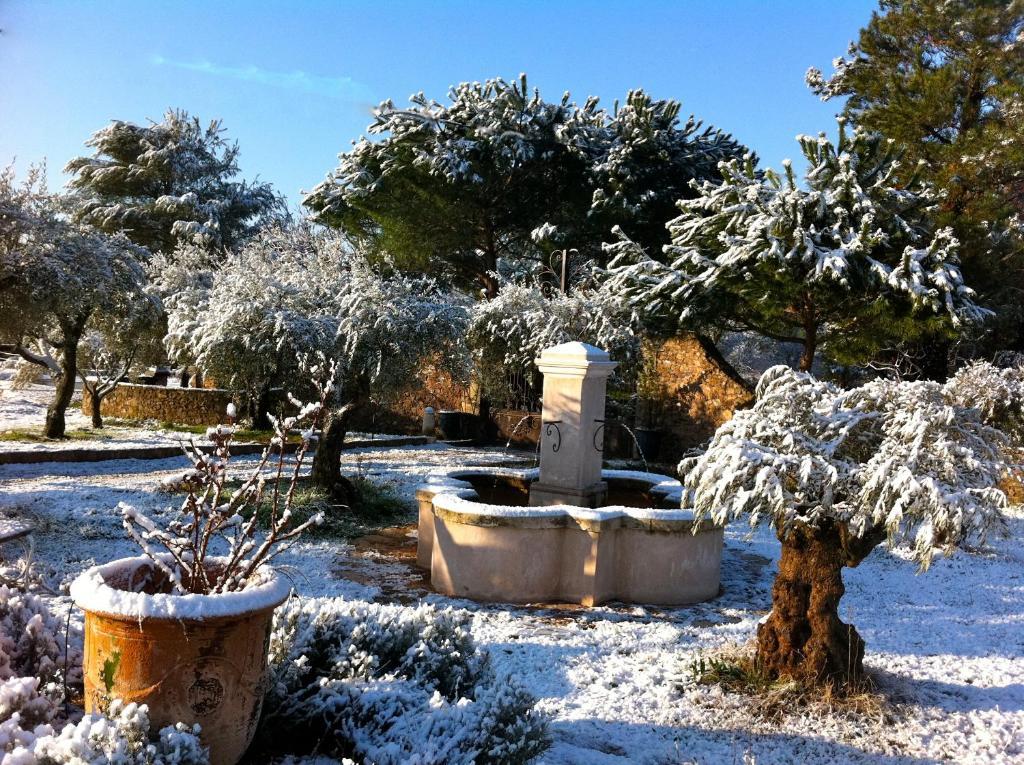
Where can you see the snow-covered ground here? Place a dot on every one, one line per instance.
(947, 647)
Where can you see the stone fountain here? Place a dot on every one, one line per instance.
(568, 530)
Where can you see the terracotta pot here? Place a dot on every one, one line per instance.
(192, 658)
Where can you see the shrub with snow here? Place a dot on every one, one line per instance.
(120, 737)
(390, 684)
(35, 669)
(32, 641)
(998, 393)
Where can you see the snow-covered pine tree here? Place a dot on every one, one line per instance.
(946, 81)
(847, 264)
(836, 473)
(169, 183)
(460, 189)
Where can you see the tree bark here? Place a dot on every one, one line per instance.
(258, 405)
(326, 470)
(803, 638)
(97, 417)
(65, 383)
(810, 345)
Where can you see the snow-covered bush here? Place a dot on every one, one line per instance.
(836, 472)
(391, 684)
(35, 669)
(998, 393)
(120, 737)
(32, 641)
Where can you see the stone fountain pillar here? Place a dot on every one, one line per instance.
(572, 427)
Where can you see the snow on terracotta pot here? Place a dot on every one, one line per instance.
(190, 658)
(187, 632)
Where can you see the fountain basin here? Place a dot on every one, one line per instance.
(480, 540)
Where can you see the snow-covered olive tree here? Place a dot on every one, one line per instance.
(168, 183)
(848, 263)
(247, 320)
(835, 473)
(56, 278)
(297, 291)
(386, 325)
(508, 333)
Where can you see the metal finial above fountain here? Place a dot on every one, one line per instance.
(575, 378)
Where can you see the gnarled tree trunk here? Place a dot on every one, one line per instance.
(803, 637)
(326, 470)
(65, 382)
(97, 417)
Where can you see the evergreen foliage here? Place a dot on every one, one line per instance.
(946, 81)
(851, 262)
(500, 175)
(169, 183)
(389, 684)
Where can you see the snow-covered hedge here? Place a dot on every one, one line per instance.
(390, 684)
(35, 670)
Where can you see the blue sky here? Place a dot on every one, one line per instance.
(294, 82)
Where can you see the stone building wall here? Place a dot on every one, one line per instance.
(403, 413)
(184, 406)
(688, 389)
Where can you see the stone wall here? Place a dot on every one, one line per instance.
(184, 406)
(688, 390)
(403, 413)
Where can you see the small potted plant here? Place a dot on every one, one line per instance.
(184, 628)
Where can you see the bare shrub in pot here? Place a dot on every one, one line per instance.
(185, 627)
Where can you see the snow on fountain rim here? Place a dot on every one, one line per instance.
(91, 592)
(456, 496)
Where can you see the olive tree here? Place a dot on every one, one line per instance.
(58, 278)
(836, 473)
(292, 292)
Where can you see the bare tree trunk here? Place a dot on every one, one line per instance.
(803, 637)
(258, 406)
(810, 345)
(97, 416)
(326, 470)
(65, 383)
(490, 285)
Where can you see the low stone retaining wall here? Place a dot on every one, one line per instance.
(184, 406)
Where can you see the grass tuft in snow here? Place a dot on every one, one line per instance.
(378, 505)
(737, 670)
